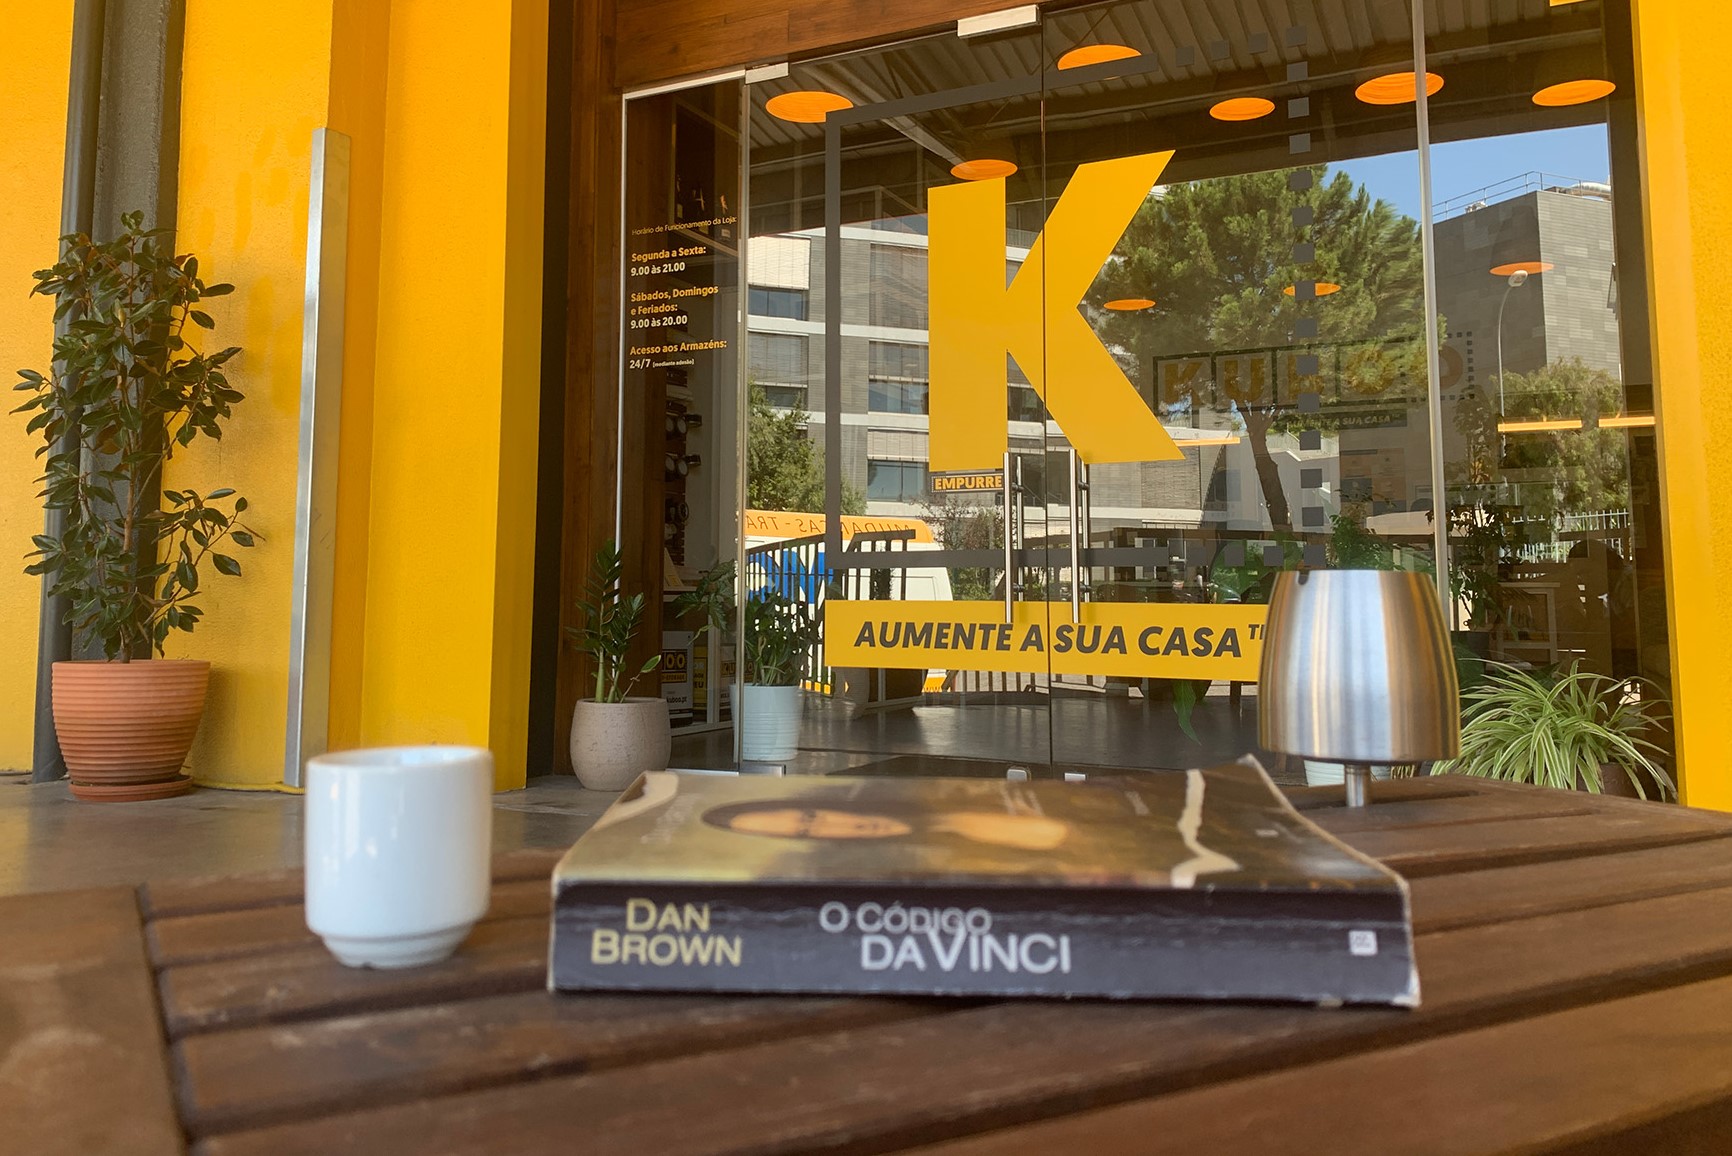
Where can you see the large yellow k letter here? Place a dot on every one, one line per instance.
(976, 320)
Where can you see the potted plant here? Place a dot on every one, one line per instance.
(615, 737)
(1572, 730)
(124, 392)
(779, 639)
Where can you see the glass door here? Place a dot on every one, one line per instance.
(1236, 355)
(897, 478)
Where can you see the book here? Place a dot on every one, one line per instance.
(1202, 884)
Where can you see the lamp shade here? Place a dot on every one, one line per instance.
(1358, 668)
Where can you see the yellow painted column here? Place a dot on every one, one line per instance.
(255, 84)
(35, 58)
(450, 537)
(360, 45)
(1687, 194)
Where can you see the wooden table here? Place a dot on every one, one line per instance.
(1575, 954)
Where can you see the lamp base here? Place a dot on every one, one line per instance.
(1357, 779)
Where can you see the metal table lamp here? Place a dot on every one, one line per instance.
(1358, 669)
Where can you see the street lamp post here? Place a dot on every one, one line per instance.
(1516, 281)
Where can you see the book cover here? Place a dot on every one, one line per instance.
(1202, 884)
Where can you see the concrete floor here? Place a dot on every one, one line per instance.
(50, 842)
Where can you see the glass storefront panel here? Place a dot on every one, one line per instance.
(848, 222)
(1266, 301)
(1552, 468)
(679, 341)
(1112, 317)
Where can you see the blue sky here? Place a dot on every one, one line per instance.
(1463, 166)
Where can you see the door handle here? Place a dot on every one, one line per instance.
(1076, 501)
(1010, 504)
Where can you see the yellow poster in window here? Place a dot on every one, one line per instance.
(1123, 639)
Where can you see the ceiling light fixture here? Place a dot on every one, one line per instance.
(1528, 267)
(1088, 54)
(1242, 108)
(1397, 88)
(1324, 289)
(1129, 304)
(1573, 92)
(984, 169)
(806, 106)
(1198, 443)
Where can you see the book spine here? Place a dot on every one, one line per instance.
(1316, 947)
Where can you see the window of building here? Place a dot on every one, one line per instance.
(766, 302)
(898, 378)
(898, 397)
(899, 286)
(895, 481)
(777, 364)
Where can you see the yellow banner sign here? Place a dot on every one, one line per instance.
(781, 524)
(967, 483)
(1126, 639)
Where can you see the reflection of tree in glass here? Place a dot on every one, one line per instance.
(1574, 471)
(784, 467)
(1505, 485)
(1218, 256)
(965, 524)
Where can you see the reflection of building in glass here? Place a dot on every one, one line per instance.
(1528, 288)
(1559, 234)
(885, 387)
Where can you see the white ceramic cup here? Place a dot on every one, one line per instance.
(399, 849)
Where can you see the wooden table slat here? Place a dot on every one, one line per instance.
(1421, 851)
(1406, 816)
(501, 956)
(1428, 787)
(216, 935)
(1647, 1074)
(1472, 898)
(82, 1064)
(258, 1076)
(923, 1079)
(194, 896)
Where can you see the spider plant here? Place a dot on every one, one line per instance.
(1561, 730)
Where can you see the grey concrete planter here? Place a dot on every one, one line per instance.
(613, 743)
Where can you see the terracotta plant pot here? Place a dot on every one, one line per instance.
(125, 727)
(613, 743)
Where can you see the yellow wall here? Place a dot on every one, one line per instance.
(450, 538)
(35, 56)
(445, 105)
(360, 44)
(254, 86)
(1687, 186)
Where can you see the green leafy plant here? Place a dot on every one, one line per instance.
(130, 389)
(779, 639)
(1558, 730)
(610, 622)
(1353, 547)
(713, 597)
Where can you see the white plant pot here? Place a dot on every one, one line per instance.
(612, 743)
(770, 723)
(1321, 774)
